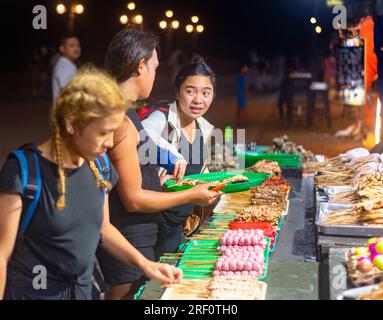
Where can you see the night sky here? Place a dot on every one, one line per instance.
(232, 27)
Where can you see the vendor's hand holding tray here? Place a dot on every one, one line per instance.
(255, 179)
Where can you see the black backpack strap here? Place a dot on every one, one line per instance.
(28, 159)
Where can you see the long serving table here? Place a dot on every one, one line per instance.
(293, 268)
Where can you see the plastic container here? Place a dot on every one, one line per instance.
(267, 226)
(283, 159)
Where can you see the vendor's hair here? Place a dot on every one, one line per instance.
(127, 48)
(92, 94)
(197, 68)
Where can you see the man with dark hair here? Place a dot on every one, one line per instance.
(65, 68)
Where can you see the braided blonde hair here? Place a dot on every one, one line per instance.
(92, 94)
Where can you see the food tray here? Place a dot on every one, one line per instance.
(284, 213)
(256, 179)
(169, 294)
(344, 230)
(283, 159)
(332, 191)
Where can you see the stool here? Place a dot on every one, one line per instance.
(321, 89)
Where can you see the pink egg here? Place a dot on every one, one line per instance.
(249, 266)
(240, 241)
(229, 241)
(223, 273)
(216, 273)
(237, 273)
(218, 265)
(230, 273)
(245, 273)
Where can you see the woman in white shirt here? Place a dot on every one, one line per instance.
(179, 127)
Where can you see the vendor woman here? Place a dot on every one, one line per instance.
(180, 127)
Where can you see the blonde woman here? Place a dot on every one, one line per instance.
(72, 215)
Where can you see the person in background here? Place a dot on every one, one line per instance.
(65, 68)
(329, 73)
(242, 94)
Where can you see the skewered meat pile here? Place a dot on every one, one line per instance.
(276, 181)
(266, 166)
(352, 173)
(249, 237)
(273, 196)
(368, 213)
(367, 188)
(267, 204)
(284, 145)
(242, 287)
(340, 162)
(259, 213)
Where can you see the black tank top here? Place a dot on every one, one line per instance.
(195, 155)
(119, 216)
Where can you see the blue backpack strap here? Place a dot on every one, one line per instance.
(106, 167)
(31, 184)
(36, 191)
(23, 163)
(103, 165)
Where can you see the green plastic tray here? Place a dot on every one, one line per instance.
(255, 179)
(266, 265)
(283, 159)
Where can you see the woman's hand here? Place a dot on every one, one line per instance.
(163, 272)
(165, 178)
(179, 170)
(203, 196)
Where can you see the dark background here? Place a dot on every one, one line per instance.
(232, 28)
